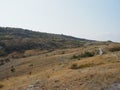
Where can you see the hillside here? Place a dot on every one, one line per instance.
(17, 39)
(41, 61)
(65, 69)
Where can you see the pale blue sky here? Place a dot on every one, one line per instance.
(92, 19)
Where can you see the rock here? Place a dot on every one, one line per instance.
(34, 86)
(115, 86)
(30, 87)
(100, 51)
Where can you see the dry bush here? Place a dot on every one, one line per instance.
(75, 57)
(113, 49)
(87, 54)
(83, 55)
(87, 65)
(74, 66)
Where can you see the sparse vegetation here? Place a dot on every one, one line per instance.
(87, 54)
(113, 49)
(2, 62)
(75, 56)
(12, 69)
(17, 39)
(76, 66)
(83, 55)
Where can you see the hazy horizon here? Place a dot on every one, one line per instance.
(90, 19)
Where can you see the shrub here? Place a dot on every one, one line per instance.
(63, 52)
(2, 62)
(12, 69)
(83, 55)
(30, 73)
(113, 49)
(87, 54)
(1, 86)
(74, 57)
(74, 66)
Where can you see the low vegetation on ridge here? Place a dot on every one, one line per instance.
(17, 39)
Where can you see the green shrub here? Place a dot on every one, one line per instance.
(87, 54)
(83, 55)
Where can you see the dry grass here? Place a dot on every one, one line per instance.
(54, 70)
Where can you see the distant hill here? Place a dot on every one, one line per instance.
(18, 39)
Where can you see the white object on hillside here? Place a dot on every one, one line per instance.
(100, 51)
(30, 87)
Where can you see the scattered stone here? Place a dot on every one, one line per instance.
(34, 86)
(115, 86)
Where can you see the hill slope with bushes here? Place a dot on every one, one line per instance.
(18, 39)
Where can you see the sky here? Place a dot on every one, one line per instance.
(90, 19)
